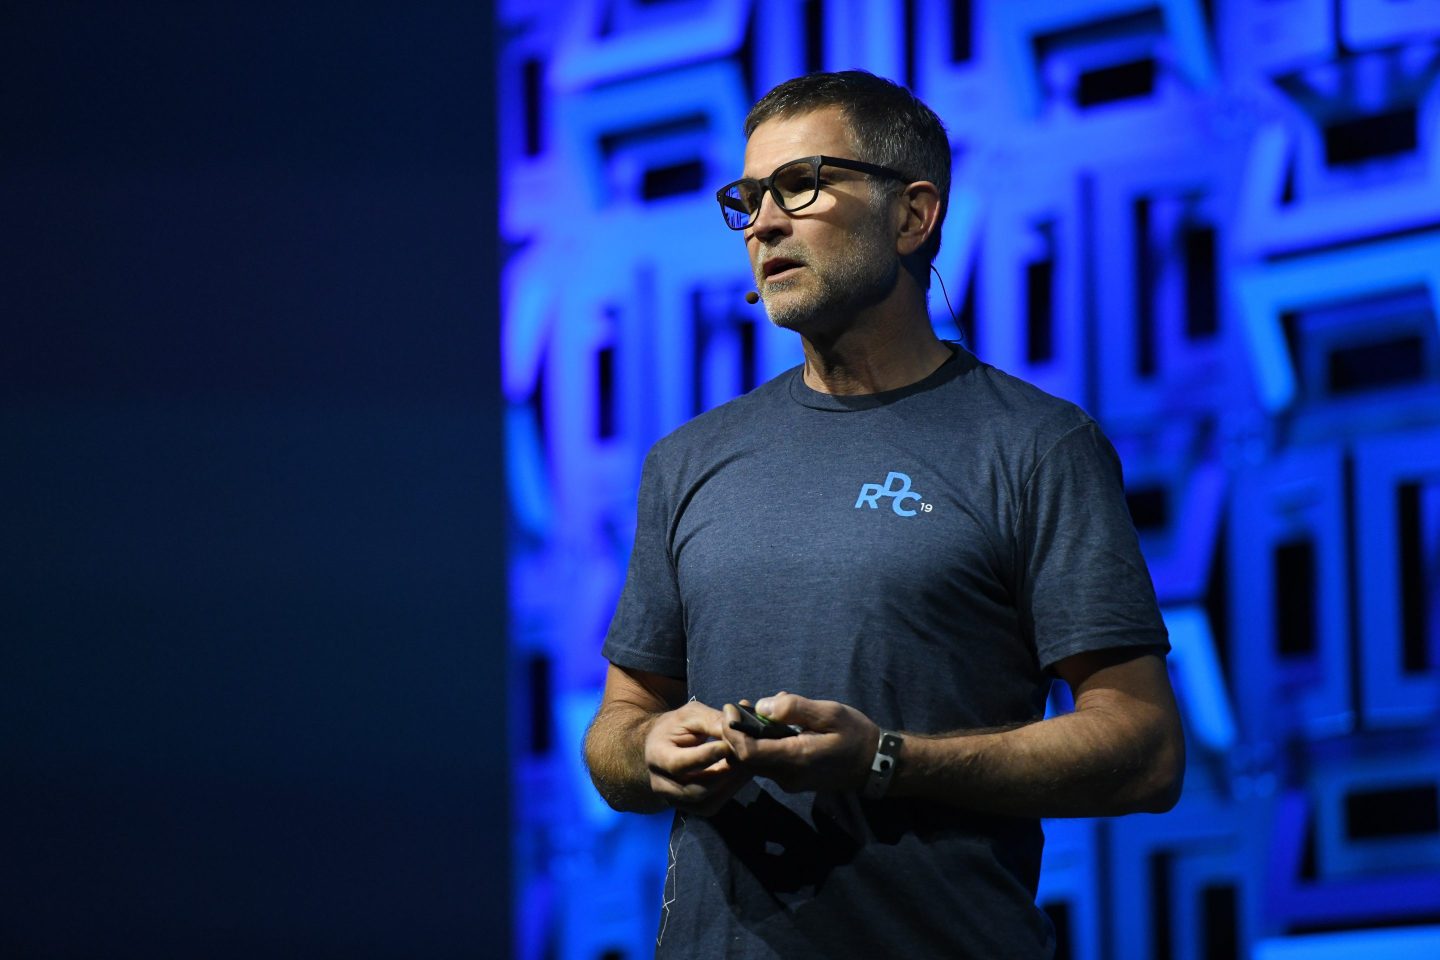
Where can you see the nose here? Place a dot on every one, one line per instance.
(770, 221)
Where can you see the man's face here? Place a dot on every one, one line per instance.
(816, 267)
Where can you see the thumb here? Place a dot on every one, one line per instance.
(786, 708)
(765, 706)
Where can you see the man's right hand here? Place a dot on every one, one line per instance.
(689, 759)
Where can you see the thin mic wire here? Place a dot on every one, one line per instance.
(946, 294)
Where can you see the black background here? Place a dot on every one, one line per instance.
(253, 659)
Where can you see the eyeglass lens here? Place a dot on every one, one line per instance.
(793, 185)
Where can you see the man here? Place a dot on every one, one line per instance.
(912, 544)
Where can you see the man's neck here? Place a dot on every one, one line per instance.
(873, 355)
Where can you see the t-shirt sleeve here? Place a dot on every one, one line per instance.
(647, 631)
(1083, 582)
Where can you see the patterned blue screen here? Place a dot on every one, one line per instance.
(1214, 225)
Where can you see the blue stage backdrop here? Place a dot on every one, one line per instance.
(1214, 225)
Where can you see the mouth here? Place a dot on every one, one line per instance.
(778, 268)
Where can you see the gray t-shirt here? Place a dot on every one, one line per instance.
(923, 555)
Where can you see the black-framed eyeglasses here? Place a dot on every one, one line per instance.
(793, 186)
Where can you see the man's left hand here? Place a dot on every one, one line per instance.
(833, 751)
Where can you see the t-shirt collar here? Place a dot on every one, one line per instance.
(959, 362)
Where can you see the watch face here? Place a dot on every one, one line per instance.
(882, 768)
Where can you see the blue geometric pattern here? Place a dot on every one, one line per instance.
(1215, 225)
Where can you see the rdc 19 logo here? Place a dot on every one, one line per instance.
(897, 488)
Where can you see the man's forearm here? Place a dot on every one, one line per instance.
(1084, 764)
(615, 755)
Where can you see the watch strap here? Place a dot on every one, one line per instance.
(882, 767)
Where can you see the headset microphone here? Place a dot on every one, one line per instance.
(751, 296)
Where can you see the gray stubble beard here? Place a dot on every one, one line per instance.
(862, 277)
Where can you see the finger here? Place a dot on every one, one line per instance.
(738, 740)
(688, 760)
(722, 795)
(693, 718)
(717, 770)
(707, 720)
(766, 757)
(686, 739)
(731, 717)
(685, 793)
(791, 708)
(690, 799)
(714, 795)
(736, 726)
(744, 747)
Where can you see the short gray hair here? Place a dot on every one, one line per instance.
(888, 124)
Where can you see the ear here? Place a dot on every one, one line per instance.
(919, 212)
